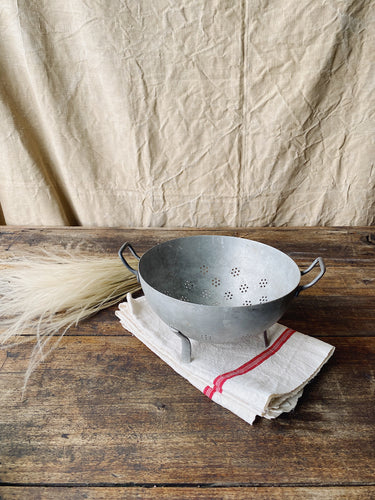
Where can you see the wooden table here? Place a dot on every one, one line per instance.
(102, 417)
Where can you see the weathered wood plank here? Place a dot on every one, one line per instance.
(107, 410)
(104, 410)
(187, 493)
(328, 316)
(341, 244)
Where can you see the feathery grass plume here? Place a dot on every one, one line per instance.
(46, 294)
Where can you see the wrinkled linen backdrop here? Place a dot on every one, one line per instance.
(187, 112)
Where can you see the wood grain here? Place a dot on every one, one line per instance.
(188, 493)
(103, 417)
(354, 245)
(108, 410)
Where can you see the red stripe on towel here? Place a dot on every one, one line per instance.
(209, 391)
(249, 365)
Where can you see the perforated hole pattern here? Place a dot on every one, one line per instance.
(189, 285)
(216, 282)
(235, 271)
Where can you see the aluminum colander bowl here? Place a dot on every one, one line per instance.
(218, 288)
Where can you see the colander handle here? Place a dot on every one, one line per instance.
(322, 266)
(134, 253)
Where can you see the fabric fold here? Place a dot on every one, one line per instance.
(244, 377)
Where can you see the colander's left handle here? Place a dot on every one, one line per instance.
(322, 266)
(134, 253)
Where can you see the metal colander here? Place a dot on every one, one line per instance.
(219, 271)
(218, 288)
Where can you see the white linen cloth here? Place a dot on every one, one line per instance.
(246, 377)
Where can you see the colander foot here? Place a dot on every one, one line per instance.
(266, 341)
(185, 346)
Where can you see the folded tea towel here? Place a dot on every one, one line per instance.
(246, 378)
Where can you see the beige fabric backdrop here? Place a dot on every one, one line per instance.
(187, 112)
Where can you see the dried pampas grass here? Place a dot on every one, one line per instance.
(44, 295)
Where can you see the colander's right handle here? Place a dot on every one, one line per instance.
(322, 266)
(134, 253)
